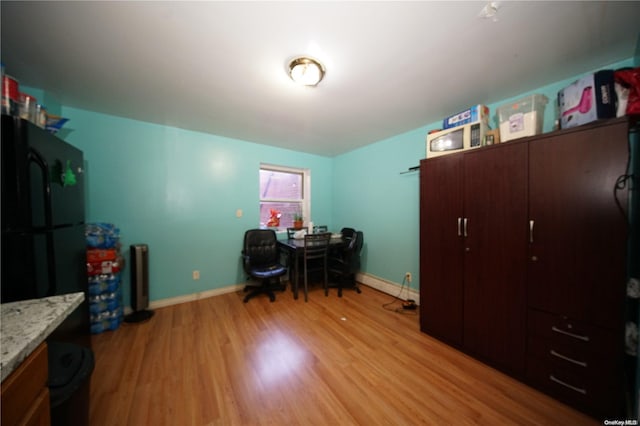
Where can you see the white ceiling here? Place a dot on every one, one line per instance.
(219, 67)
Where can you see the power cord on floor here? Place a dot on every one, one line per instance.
(407, 307)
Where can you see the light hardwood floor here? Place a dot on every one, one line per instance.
(331, 361)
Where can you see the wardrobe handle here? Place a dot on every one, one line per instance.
(531, 223)
(464, 227)
(566, 358)
(567, 385)
(566, 333)
(459, 227)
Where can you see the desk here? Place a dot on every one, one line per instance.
(295, 250)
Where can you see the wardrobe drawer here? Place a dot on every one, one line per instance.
(582, 336)
(576, 363)
(569, 356)
(596, 394)
(592, 367)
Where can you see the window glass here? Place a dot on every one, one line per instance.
(282, 196)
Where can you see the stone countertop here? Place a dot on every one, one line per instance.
(27, 323)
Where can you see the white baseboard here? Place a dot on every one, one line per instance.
(391, 288)
(190, 297)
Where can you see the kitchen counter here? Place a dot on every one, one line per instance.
(26, 324)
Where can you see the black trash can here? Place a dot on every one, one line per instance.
(70, 368)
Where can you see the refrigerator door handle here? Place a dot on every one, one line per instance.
(36, 158)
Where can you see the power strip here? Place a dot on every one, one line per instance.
(409, 304)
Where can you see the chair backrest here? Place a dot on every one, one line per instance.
(316, 245)
(261, 247)
(356, 243)
(347, 233)
(352, 251)
(291, 231)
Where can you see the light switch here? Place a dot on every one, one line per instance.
(239, 213)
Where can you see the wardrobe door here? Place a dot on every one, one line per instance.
(576, 280)
(495, 249)
(578, 238)
(441, 252)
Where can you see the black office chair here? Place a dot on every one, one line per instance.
(316, 247)
(344, 264)
(347, 233)
(261, 260)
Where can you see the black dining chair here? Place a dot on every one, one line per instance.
(261, 261)
(291, 231)
(316, 247)
(290, 259)
(344, 264)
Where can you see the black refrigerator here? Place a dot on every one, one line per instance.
(43, 243)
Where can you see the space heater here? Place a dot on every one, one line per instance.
(139, 254)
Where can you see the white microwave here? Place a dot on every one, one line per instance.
(456, 139)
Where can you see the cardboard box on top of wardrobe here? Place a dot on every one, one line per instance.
(589, 98)
(474, 114)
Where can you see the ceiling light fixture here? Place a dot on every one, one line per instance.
(306, 71)
(490, 11)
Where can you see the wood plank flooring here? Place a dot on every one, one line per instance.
(331, 361)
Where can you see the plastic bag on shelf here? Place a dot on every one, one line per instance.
(629, 79)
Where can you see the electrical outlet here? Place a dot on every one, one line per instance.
(407, 276)
(196, 275)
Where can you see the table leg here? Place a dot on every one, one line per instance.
(296, 273)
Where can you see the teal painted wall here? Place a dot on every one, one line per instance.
(370, 193)
(178, 192)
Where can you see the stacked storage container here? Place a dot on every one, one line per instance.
(104, 271)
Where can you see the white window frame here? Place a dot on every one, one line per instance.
(306, 189)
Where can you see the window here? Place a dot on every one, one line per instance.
(284, 190)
